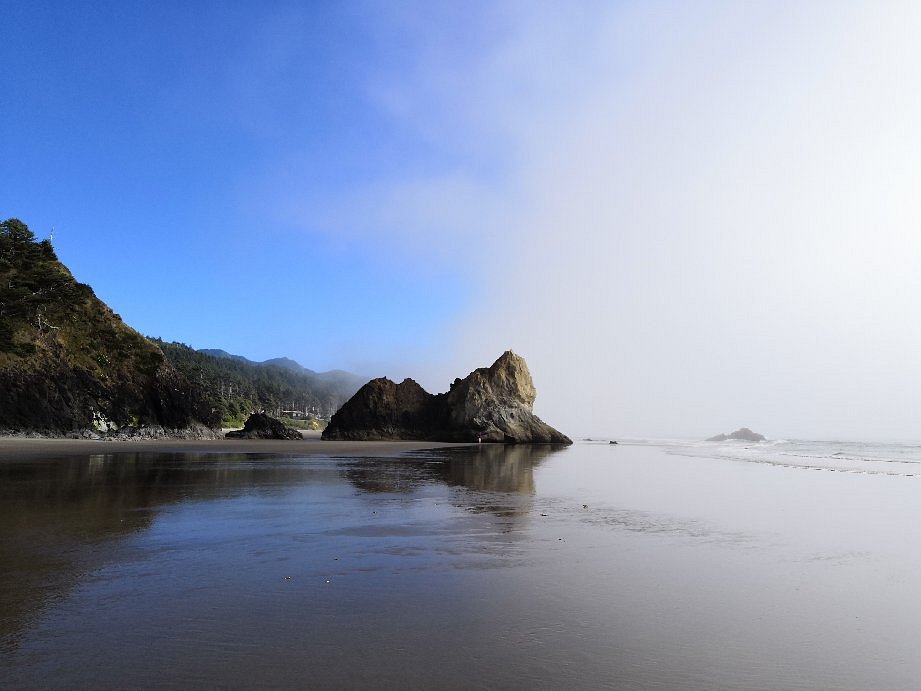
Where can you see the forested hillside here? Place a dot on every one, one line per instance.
(68, 364)
(235, 386)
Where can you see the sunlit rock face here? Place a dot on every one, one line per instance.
(491, 404)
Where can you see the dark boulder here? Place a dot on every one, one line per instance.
(261, 426)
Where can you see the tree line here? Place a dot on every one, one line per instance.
(236, 387)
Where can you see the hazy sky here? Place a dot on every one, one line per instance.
(686, 216)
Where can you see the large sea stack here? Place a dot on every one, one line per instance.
(493, 404)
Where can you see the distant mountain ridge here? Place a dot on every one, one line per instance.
(214, 352)
(283, 362)
(69, 365)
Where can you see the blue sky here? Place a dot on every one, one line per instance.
(163, 142)
(688, 217)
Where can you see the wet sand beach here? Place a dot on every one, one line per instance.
(173, 564)
(18, 448)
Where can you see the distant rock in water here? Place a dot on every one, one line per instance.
(741, 434)
(493, 404)
(261, 426)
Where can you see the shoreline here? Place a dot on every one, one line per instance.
(13, 448)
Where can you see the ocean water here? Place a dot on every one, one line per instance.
(642, 565)
(877, 457)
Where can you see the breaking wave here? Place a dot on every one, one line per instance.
(887, 458)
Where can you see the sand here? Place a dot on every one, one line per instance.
(18, 448)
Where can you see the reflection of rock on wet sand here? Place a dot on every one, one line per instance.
(484, 467)
(488, 478)
(497, 480)
(49, 508)
(491, 468)
(386, 475)
(61, 519)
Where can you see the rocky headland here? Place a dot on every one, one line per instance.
(741, 434)
(70, 367)
(491, 404)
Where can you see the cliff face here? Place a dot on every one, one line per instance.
(491, 403)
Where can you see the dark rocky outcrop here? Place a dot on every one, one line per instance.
(741, 434)
(261, 426)
(493, 404)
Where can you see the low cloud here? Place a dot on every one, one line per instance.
(686, 218)
(725, 233)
